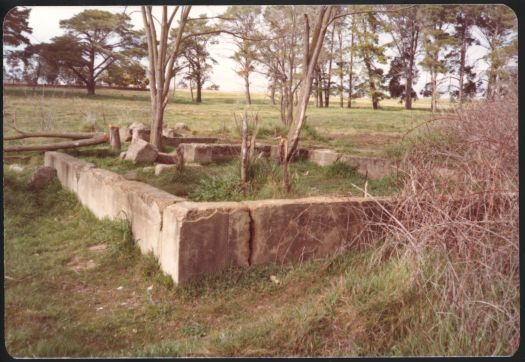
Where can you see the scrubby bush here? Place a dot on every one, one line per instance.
(457, 219)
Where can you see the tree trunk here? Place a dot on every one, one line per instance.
(320, 87)
(408, 86)
(433, 105)
(351, 70)
(462, 67)
(198, 99)
(247, 89)
(272, 92)
(309, 63)
(329, 78)
(91, 88)
(341, 69)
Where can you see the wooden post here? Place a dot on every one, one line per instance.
(114, 138)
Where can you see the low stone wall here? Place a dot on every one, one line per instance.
(208, 153)
(190, 239)
(202, 154)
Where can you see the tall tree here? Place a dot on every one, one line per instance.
(351, 62)
(94, 40)
(162, 59)
(312, 45)
(405, 27)
(16, 23)
(436, 40)
(195, 54)
(371, 53)
(243, 20)
(464, 22)
(497, 26)
(280, 53)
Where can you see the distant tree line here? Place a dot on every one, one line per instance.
(99, 47)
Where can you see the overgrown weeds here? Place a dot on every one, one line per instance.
(457, 220)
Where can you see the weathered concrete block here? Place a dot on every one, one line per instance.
(200, 238)
(289, 231)
(140, 133)
(196, 153)
(98, 192)
(68, 168)
(175, 141)
(125, 134)
(376, 167)
(167, 158)
(141, 151)
(323, 157)
(143, 206)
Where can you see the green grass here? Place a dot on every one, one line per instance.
(359, 130)
(348, 305)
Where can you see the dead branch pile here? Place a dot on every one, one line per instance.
(457, 219)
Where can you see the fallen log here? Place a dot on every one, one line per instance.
(98, 139)
(73, 136)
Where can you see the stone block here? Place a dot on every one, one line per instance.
(291, 231)
(143, 205)
(167, 158)
(97, 190)
(124, 134)
(201, 238)
(175, 141)
(141, 151)
(376, 167)
(140, 133)
(323, 157)
(68, 168)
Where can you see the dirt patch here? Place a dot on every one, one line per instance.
(78, 264)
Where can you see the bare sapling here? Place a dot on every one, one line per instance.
(247, 145)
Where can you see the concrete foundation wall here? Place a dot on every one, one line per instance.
(201, 238)
(202, 154)
(68, 168)
(191, 239)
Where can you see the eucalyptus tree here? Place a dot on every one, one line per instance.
(244, 20)
(162, 55)
(94, 40)
(464, 22)
(436, 41)
(371, 53)
(195, 54)
(497, 29)
(405, 28)
(280, 53)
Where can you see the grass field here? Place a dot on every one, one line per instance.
(359, 130)
(77, 286)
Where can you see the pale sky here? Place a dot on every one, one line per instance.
(45, 23)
